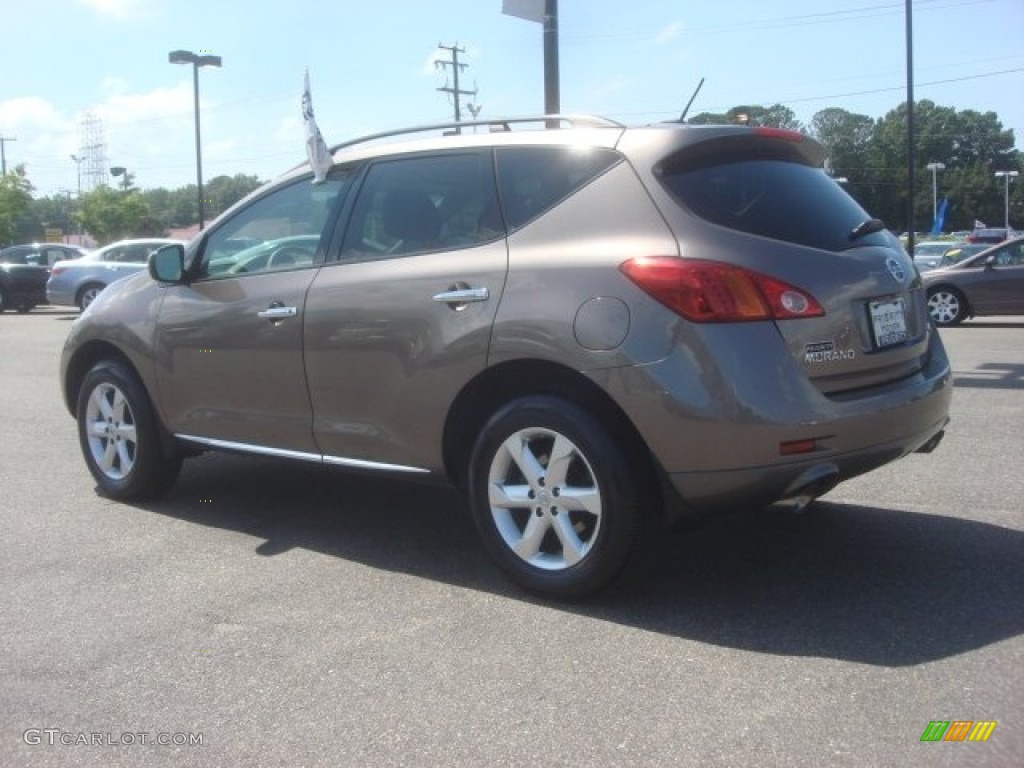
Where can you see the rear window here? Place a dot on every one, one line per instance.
(773, 198)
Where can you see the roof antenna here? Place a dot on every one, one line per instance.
(682, 117)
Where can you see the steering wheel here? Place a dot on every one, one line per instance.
(287, 255)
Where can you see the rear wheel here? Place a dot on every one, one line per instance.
(88, 295)
(118, 432)
(947, 306)
(556, 499)
(3, 300)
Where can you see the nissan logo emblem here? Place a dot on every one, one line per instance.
(895, 269)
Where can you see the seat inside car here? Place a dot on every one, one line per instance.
(410, 217)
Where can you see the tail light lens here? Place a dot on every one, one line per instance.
(56, 270)
(712, 292)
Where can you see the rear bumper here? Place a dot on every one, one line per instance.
(715, 422)
(58, 295)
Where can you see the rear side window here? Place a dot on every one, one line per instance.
(422, 204)
(778, 199)
(532, 180)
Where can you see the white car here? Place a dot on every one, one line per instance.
(77, 283)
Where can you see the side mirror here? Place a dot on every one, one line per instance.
(167, 264)
(990, 262)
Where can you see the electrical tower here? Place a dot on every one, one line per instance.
(92, 150)
(457, 67)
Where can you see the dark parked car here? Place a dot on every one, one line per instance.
(988, 283)
(588, 328)
(24, 270)
(988, 235)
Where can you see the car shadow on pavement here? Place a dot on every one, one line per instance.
(876, 586)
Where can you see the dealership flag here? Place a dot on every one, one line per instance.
(319, 156)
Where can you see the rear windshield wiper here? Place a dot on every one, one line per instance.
(867, 227)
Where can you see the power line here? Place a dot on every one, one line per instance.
(888, 89)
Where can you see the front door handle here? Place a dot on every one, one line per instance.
(460, 294)
(277, 311)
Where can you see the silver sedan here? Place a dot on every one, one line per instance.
(76, 283)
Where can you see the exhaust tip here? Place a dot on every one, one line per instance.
(932, 442)
(801, 493)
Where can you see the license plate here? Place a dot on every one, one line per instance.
(888, 322)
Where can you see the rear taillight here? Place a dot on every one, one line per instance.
(56, 270)
(712, 292)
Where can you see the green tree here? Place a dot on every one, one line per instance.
(222, 192)
(110, 215)
(775, 116)
(15, 204)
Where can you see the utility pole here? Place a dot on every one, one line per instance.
(3, 152)
(457, 67)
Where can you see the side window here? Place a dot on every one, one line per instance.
(1014, 255)
(281, 230)
(133, 254)
(422, 204)
(532, 180)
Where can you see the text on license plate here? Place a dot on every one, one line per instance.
(888, 322)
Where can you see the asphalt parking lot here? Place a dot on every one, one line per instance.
(287, 616)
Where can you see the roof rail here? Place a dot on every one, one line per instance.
(495, 124)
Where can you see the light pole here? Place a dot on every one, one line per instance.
(78, 163)
(120, 170)
(1006, 175)
(933, 167)
(187, 57)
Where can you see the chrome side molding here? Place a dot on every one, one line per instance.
(282, 453)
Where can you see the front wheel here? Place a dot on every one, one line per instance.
(555, 498)
(119, 436)
(946, 306)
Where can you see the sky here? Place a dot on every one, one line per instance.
(372, 68)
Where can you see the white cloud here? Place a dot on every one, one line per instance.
(669, 33)
(151, 133)
(428, 67)
(118, 9)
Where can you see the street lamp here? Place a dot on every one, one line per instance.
(187, 57)
(78, 163)
(933, 167)
(120, 170)
(1006, 175)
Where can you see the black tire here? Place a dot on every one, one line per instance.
(517, 506)
(87, 295)
(947, 306)
(24, 308)
(119, 435)
(3, 300)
